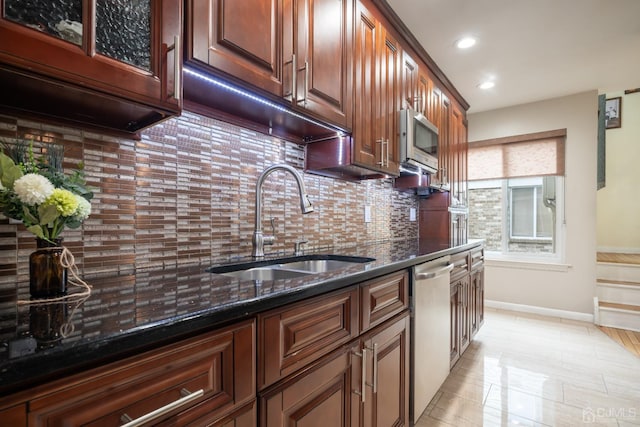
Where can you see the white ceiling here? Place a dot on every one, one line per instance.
(533, 49)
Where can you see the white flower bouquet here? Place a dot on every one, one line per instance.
(38, 193)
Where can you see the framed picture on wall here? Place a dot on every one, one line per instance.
(613, 113)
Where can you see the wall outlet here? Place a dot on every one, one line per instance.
(367, 214)
(412, 214)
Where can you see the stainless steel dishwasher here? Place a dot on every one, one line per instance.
(430, 327)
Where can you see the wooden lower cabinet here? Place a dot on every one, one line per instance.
(319, 395)
(329, 392)
(359, 377)
(467, 300)
(476, 295)
(387, 350)
(218, 368)
(14, 416)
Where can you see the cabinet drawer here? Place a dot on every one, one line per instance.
(477, 258)
(383, 298)
(460, 263)
(221, 364)
(292, 337)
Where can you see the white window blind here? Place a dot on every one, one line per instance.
(534, 154)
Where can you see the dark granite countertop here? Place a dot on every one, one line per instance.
(130, 313)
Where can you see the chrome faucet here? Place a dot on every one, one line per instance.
(260, 240)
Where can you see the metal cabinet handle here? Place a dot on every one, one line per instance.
(157, 413)
(294, 79)
(306, 83)
(384, 152)
(434, 273)
(175, 47)
(363, 376)
(177, 77)
(375, 367)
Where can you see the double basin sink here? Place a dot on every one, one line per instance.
(288, 268)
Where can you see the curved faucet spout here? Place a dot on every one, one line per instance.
(305, 206)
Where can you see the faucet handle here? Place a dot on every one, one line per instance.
(297, 247)
(270, 239)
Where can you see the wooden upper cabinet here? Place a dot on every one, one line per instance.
(317, 57)
(365, 87)
(298, 50)
(425, 98)
(377, 95)
(98, 46)
(410, 84)
(389, 104)
(240, 38)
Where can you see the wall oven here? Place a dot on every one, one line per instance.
(418, 141)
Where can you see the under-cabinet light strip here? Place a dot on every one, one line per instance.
(257, 99)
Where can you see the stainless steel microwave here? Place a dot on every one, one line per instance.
(418, 141)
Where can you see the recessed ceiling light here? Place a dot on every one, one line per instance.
(465, 42)
(486, 85)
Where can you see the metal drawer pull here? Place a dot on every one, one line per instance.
(434, 273)
(188, 397)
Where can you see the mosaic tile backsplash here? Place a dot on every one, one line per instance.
(185, 194)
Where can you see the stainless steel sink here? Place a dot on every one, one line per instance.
(266, 273)
(288, 268)
(318, 265)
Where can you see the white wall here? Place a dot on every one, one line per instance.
(619, 201)
(569, 289)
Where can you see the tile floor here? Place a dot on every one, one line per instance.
(529, 370)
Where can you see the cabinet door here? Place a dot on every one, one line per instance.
(386, 402)
(410, 85)
(444, 143)
(104, 45)
(424, 94)
(477, 302)
(322, 394)
(464, 313)
(365, 88)
(320, 54)
(454, 310)
(240, 38)
(389, 104)
(15, 416)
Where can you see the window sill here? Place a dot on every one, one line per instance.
(520, 264)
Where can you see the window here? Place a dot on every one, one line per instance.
(513, 202)
(529, 218)
(516, 216)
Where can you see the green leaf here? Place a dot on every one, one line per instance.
(37, 230)
(29, 218)
(10, 175)
(5, 161)
(48, 214)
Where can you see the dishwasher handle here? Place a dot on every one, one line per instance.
(434, 273)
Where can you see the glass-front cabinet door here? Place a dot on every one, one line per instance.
(123, 31)
(58, 18)
(125, 48)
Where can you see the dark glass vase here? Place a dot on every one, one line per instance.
(47, 276)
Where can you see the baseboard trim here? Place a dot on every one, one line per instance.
(543, 311)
